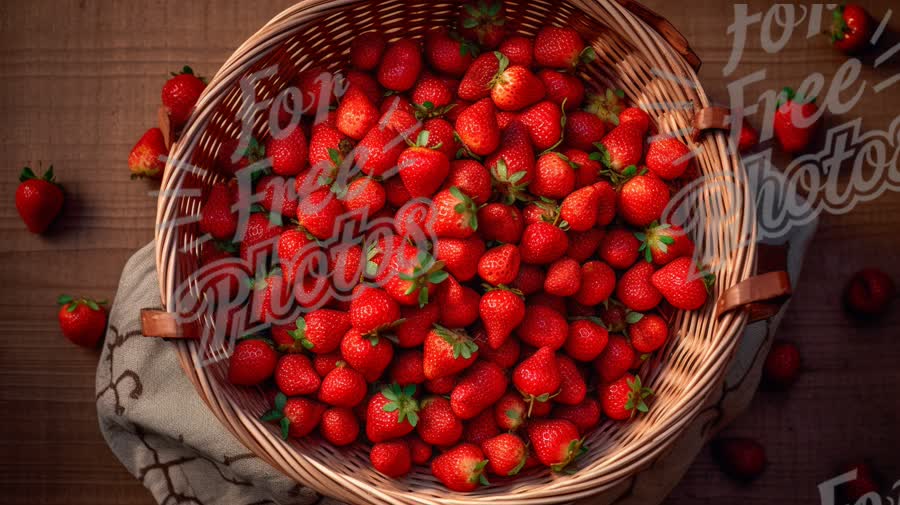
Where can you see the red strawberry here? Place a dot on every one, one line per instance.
(607, 106)
(662, 243)
(544, 122)
(505, 356)
(620, 148)
(82, 320)
(583, 245)
(563, 277)
(583, 130)
(396, 194)
(356, 114)
(453, 214)
(636, 290)
(460, 256)
(796, 121)
(565, 90)
(542, 244)
(743, 459)
(340, 427)
(682, 284)
(366, 50)
(412, 276)
(598, 281)
(147, 157)
(530, 280)
(297, 417)
(288, 153)
(782, 366)
(378, 151)
(419, 450)
(411, 219)
(325, 363)
(500, 265)
(438, 425)
(297, 252)
(319, 213)
(868, 293)
(365, 83)
(506, 454)
(431, 96)
(391, 458)
(294, 375)
(501, 312)
(585, 416)
(448, 54)
(556, 442)
(317, 87)
(608, 203)
(477, 127)
(586, 340)
(537, 377)
(461, 468)
(371, 309)
(278, 195)
(748, 137)
(321, 331)
(635, 117)
(408, 368)
(615, 360)
(476, 83)
(39, 200)
(270, 297)
(441, 386)
(554, 177)
(500, 223)
(510, 411)
(512, 165)
(369, 354)
(483, 21)
(448, 352)
(573, 388)
(613, 316)
(648, 333)
(471, 178)
(400, 65)
(516, 88)
(480, 387)
(459, 304)
(422, 169)
(363, 198)
(619, 248)
(391, 413)
(642, 199)
(259, 237)
(481, 428)
(624, 398)
(518, 50)
(252, 362)
(851, 28)
(342, 386)
(668, 158)
(417, 322)
(579, 209)
(180, 94)
(543, 327)
(560, 48)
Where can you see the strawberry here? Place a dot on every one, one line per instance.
(271, 299)
(430, 96)
(480, 387)
(372, 309)
(419, 450)
(586, 340)
(537, 377)
(615, 360)
(82, 320)
(38, 200)
(441, 386)
(377, 153)
(339, 426)
(579, 209)
(460, 256)
(621, 148)
(607, 207)
(412, 276)
(560, 48)
(506, 454)
(483, 21)
(297, 252)
(422, 169)
(662, 243)
(342, 386)
(476, 83)
(501, 312)
(668, 158)
(868, 293)
(471, 178)
(319, 213)
(682, 284)
(180, 94)
(294, 375)
(278, 195)
(613, 317)
(438, 425)
(393, 412)
(518, 50)
(554, 177)
(636, 290)
(583, 245)
(516, 88)
(583, 130)
(543, 327)
(598, 281)
(619, 248)
(573, 388)
(542, 244)
(363, 198)
(544, 122)
(500, 223)
(415, 325)
(396, 194)
(481, 428)
(230, 158)
(851, 28)
(252, 362)
(506, 118)
(642, 199)
(585, 416)
(624, 398)
(459, 304)
(512, 165)
(510, 411)
(442, 138)
(408, 368)
(259, 241)
(461, 468)
(148, 156)
(565, 90)
(748, 137)
(448, 54)
(782, 366)
(635, 117)
(563, 277)
(530, 279)
(556, 303)
(796, 121)
(411, 220)
(556, 442)
(477, 127)
(400, 65)
(500, 265)
(369, 354)
(453, 214)
(448, 352)
(325, 363)
(648, 333)
(289, 153)
(743, 459)
(322, 330)
(297, 417)
(356, 114)
(366, 50)
(316, 86)
(391, 458)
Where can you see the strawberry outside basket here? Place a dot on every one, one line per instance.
(638, 52)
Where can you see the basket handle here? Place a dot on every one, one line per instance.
(161, 324)
(762, 296)
(666, 29)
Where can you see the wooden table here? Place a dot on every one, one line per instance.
(80, 82)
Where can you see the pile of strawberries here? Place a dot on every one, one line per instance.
(476, 244)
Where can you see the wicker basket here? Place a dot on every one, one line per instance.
(637, 52)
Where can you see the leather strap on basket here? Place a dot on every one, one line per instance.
(666, 29)
(761, 295)
(162, 324)
(710, 118)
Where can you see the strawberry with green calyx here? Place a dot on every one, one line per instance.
(423, 168)
(851, 28)
(38, 199)
(648, 333)
(515, 88)
(230, 159)
(370, 354)
(478, 129)
(556, 442)
(421, 280)
(320, 331)
(510, 186)
(453, 214)
(342, 386)
(392, 413)
(625, 397)
(795, 123)
(663, 243)
(147, 157)
(502, 310)
(510, 411)
(621, 148)
(447, 352)
(82, 320)
(506, 454)
(562, 48)
(252, 362)
(448, 53)
(538, 378)
(642, 197)
(297, 417)
(683, 284)
(180, 95)
(461, 468)
(483, 21)
(607, 106)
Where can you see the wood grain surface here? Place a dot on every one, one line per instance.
(79, 83)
